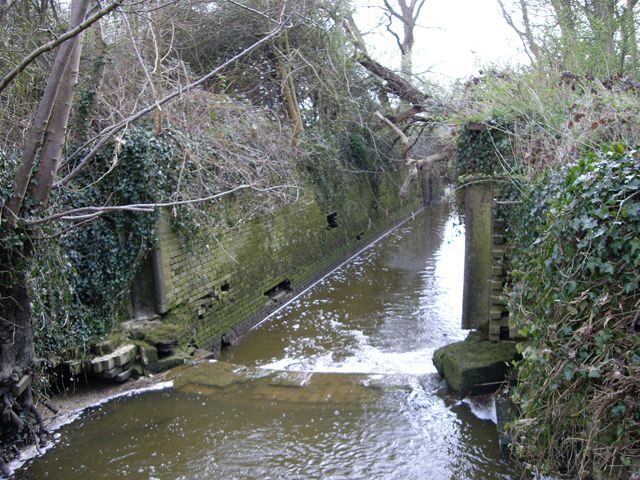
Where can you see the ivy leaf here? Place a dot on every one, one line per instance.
(594, 373)
(568, 371)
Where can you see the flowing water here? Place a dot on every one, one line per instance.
(339, 384)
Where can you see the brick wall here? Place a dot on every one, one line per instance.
(228, 282)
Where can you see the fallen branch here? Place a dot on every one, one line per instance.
(86, 213)
(394, 83)
(414, 164)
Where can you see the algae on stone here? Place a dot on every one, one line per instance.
(468, 365)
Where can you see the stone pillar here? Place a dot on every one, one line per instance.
(432, 188)
(478, 216)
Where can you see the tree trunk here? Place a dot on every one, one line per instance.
(34, 140)
(564, 16)
(16, 339)
(631, 38)
(17, 355)
(56, 130)
(288, 87)
(407, 13)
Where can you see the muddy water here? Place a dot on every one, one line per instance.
(337, 385)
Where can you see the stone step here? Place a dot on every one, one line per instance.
(494, 329)
(498, 253)
(497, 285)
(497, 313)
(497, 271)
(499, 300)
(166, 347)
(119, 357)
(498, 239)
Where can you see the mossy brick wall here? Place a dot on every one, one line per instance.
(221, 283)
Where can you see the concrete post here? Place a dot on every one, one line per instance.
(478, 217)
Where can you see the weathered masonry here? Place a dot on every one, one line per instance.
(479, 363)
(484, 307)
(219, 287)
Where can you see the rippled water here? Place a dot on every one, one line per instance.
(338, 385)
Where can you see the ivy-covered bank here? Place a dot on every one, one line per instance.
(576, 297)
(574, 272)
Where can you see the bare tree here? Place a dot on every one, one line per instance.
(597, 37)
(407, 12)
(525, 32)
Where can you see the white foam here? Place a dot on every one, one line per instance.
(483, 407)
(367, 360)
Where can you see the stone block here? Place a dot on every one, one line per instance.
(110, 374)
(475, 365)
(124, 354)
(202, 354)
(167, 363)
(102, 364)
(119, 357)
(104, 347)
(123, 376)
(147, 353)
(21, 385)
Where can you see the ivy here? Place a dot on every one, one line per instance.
(78, 284)
(484, 149)
(575, 295)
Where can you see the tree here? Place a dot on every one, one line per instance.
(596, 37)
(25, 209)
(526, 32)
(407, 12)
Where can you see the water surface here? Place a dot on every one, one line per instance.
(337, 385)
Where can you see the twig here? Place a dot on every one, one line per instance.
(85, 213)
(57, 41)
(109, 132)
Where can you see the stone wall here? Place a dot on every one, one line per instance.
(223, 285)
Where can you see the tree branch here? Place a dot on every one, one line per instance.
(109, 132)
(57, 41)
(392, 11)
(86, 213)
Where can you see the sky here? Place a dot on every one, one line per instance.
(454, 38)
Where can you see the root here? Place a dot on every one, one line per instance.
(4, 468)
(29, 406)
(11, 408)
(9, 415)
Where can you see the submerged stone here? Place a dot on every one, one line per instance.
(291, 379)
(212, 375)
(167, 363)
(475, 365)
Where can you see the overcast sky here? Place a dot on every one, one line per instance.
(453, 38)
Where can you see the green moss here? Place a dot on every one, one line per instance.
(469, 364)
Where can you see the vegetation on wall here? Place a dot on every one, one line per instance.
(576, 299)
(564, 147)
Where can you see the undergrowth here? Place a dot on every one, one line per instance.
(576, 299)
